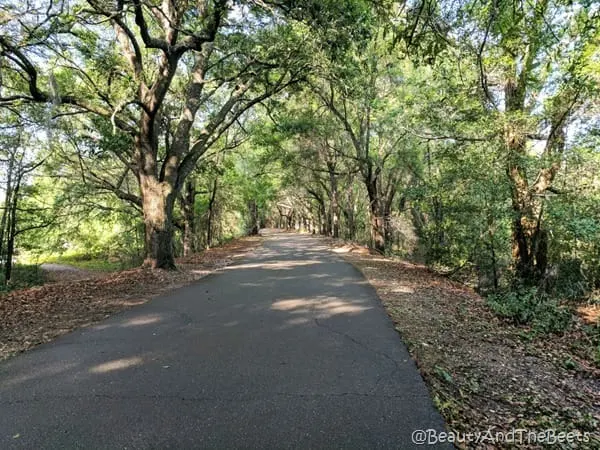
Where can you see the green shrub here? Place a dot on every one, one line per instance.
(568, 280)
(529, 306)
(593, 335)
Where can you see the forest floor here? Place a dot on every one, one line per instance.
(485, 374)
(76, 298)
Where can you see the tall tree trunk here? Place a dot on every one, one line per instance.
(211, 212)
(387, 201)
(319, 220)
(376, 216)
(439, 240)
(158, 199)
(188, 200)
(350, 214)
(333, 201)
(12, 230)
(328, 222)
(350, 223)
(524, 218)
(322, 218)
(7, 203)
(529, 238)
(158, 194)
(492, 248)
(387, 229)
(377, 229)
(254, 219)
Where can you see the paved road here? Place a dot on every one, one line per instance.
(288, 348)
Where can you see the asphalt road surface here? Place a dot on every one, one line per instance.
(288, 348)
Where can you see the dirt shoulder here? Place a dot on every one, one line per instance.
(29, 317)
(483, 373)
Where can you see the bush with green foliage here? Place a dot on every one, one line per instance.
(528, 305)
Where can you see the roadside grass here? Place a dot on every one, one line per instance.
(94, 262)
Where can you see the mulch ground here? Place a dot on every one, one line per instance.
(29, 317)
(483, 373)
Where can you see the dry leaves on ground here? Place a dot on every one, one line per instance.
(484, 373)
(32, 316)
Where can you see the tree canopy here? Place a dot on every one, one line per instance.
(460, 134)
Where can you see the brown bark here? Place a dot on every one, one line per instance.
(376, 216)
(7, 203)
(350, 214)
(322, 216)
(188, 200)
(158, 201)
(254, 218)
(350, 223)
(211, 212)
(12, 230)
(334, 209)
(527, 209)
(529, 237)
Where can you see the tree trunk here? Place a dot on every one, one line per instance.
(324, 220)
(529, 238)
(439, 241)
(254, 219)
(388, 237)
(377, 230)
(158, 201)
(211, 213)
(189, 218)
(350, 223)
(7, 203)
(319, 220)
(333, 201)
(376, 216)
(12, 231)
(158, 195)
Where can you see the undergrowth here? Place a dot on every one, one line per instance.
(23, 276)
(531, 306)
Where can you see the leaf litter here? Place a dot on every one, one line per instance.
(32, 316)
(484, 373)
